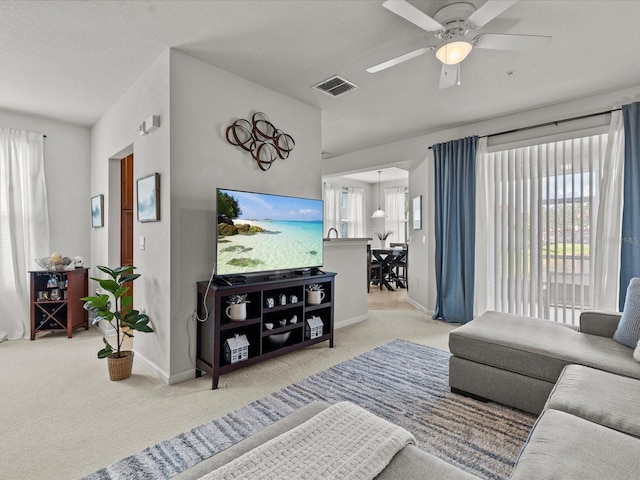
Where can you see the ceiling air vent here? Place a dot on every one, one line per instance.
(335, 86)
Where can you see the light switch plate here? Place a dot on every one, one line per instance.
(141, 243)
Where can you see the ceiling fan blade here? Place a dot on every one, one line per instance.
(489, 11)
(449, 75)
(503, 41)
(400, 59)
(413, 15)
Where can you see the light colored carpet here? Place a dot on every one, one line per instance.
(62, 418)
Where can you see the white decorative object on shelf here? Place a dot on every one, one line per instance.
(313, 327)
(236, 348)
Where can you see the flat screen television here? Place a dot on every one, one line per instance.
(259, 233)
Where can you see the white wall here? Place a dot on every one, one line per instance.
(114, 135)
(204, 101)
(415, 152)
(196, 102)
(66, 163)
(349, 260)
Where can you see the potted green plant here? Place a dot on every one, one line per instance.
(115, 308)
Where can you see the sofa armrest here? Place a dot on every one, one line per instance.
(603, 324)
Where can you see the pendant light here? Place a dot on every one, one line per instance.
(379, 213)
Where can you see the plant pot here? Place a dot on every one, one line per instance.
(120, 367)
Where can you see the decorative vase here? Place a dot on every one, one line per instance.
(120, 366)
(315, 297)
(237, 311)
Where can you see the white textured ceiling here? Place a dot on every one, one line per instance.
(71, 60)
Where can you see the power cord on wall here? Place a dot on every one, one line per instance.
(194, 315)
(204, 300)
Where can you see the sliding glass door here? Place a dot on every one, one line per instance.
(538, 215)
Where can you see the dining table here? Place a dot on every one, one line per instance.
(385, 256)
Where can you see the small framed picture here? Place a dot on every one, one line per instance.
(417, 212)
(148, 198)
(97, 211)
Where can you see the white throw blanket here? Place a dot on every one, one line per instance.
(342, 442)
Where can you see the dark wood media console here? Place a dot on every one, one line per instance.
(294, 313)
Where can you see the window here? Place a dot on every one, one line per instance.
(539, 208)
(396, 206)
(344, 210)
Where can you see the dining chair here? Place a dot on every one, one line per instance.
(374, 270)
(400, 268)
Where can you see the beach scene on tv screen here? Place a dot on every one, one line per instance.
(260, 232)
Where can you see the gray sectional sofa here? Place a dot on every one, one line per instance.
(589, 429)
(516, 360)
(584, 385)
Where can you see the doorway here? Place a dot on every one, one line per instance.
(126, 215)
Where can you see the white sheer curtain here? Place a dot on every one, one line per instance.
(535, 234)
(24, 221)
(356, 212)
(331, 196)
(394, 207)
(608, 222)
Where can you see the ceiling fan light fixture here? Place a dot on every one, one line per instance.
(452, 53)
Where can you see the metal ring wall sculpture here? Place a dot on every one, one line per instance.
(261, 139)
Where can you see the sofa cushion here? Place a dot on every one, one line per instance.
(601, 397)
(628, 331)
(636, 352)
(563, 446)
(537, 348)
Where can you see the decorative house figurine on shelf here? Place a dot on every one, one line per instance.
(236, 349)
(313, 327)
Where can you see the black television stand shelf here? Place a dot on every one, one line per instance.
(277, 322)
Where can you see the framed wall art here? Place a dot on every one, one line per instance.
(148, 198)
(417, 212)
(97, 211)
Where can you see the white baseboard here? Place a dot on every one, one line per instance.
(152, 367)
(182, 377)
(420, 307)
(350, 321)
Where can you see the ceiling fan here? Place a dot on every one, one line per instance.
(451, 25)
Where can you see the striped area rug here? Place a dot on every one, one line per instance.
(401, 381)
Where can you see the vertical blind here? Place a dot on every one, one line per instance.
(540, 206)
